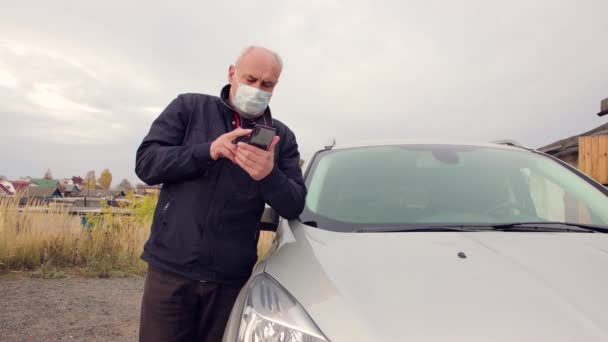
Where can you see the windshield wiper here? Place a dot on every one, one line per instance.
(549, 227)
(446, 228)
(504, 227)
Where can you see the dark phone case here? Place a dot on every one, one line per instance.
(256, 130)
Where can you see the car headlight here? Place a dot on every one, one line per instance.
(271, 314)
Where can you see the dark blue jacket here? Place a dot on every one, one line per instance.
(206, 223)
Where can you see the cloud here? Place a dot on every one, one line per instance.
(7, 79)
(152, 111)
(70, 99)
(95, 78)
(49, 97)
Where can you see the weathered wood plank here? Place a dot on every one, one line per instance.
(603, 160)
(594, 156)
(582, 155)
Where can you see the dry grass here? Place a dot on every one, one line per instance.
(48, 241)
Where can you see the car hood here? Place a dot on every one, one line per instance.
(504, 286)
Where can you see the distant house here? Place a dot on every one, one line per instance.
(45, 183)
(4, 191)
(142, 189)
(66, 181)
(88, 202)
(78, 181)
(85, 192)
(109, 194)
(588, 152)
(118, 193)
(42, 193)
(7, 187)
(126, 190)
(71, 190)
(567, 149)
(20, 185)
(121, 191)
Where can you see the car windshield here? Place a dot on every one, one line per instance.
(414, 185)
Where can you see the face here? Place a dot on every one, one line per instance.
(258, 68)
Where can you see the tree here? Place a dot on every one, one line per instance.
(48, 174)
(125, 184)
(2, 178)
(90, 180)
(105, 179)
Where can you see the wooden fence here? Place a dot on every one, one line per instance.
(593, 157)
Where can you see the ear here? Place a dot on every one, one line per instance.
(231, 73)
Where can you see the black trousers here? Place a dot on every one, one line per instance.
(176, 308)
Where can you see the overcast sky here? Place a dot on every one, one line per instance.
(81, 82)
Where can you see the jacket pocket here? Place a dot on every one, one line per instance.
(165, 212)
(178, 238)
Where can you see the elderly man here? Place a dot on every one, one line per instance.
(202, 246)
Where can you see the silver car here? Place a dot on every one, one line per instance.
(434, 242)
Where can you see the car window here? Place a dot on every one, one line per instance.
(445, 184)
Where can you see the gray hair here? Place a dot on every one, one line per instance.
(247, 49)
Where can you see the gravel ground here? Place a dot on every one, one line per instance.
(71, 309)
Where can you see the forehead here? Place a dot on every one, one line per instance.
(259, 63)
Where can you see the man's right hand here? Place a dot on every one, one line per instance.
(223, 146)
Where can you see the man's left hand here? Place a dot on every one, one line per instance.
(256, 162)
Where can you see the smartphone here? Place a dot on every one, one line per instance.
(261, 136)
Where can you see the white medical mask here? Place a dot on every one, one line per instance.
(250, 101)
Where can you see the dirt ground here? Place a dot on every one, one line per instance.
(71, 309)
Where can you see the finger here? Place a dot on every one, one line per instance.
(242, 165)
(251, 149)
(274, 143)
(240, 161)
(230, 146)
(239, 132)
(249, 155)
(226, 153)
(250, 165)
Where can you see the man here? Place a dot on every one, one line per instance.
(203, 242)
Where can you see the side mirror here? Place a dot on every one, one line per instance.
(269, 220)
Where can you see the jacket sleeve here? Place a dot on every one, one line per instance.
(283, 189)
(161, 158)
